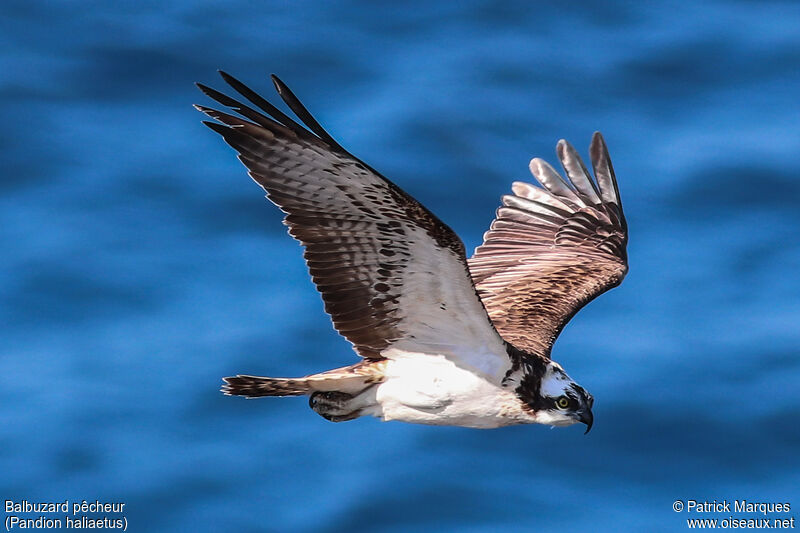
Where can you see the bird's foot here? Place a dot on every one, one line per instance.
(334, 406)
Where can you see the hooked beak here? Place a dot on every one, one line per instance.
(587, 418)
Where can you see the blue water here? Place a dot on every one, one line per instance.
(139, 264)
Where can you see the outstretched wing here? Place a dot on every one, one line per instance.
(551, 250)
(391, 274)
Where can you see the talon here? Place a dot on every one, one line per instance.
(333, 405)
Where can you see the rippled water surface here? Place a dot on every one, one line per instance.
(139, 264)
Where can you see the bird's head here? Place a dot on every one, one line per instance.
(558, 400)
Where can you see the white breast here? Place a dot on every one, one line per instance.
(432, 389)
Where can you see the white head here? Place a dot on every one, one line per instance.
(554, 398)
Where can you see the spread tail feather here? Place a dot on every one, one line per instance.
(256, 386)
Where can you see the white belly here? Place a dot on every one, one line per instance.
(431, 389)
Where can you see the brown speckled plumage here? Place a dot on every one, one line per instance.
(443, 340)
(551, 250)
(353, 222)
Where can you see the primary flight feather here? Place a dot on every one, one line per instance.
(443, 340)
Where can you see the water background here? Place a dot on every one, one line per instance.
(139, 264)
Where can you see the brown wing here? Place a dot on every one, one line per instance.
(551, 250)
(391, 274)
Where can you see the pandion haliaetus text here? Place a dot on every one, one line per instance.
(443, 339)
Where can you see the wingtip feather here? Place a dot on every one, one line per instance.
(577, 174)
(551, 180)
(217, 127)
(604, 173)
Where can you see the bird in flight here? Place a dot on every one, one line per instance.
(443, 339)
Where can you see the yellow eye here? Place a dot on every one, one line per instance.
(562, 402)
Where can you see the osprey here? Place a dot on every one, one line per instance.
(444, 339)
